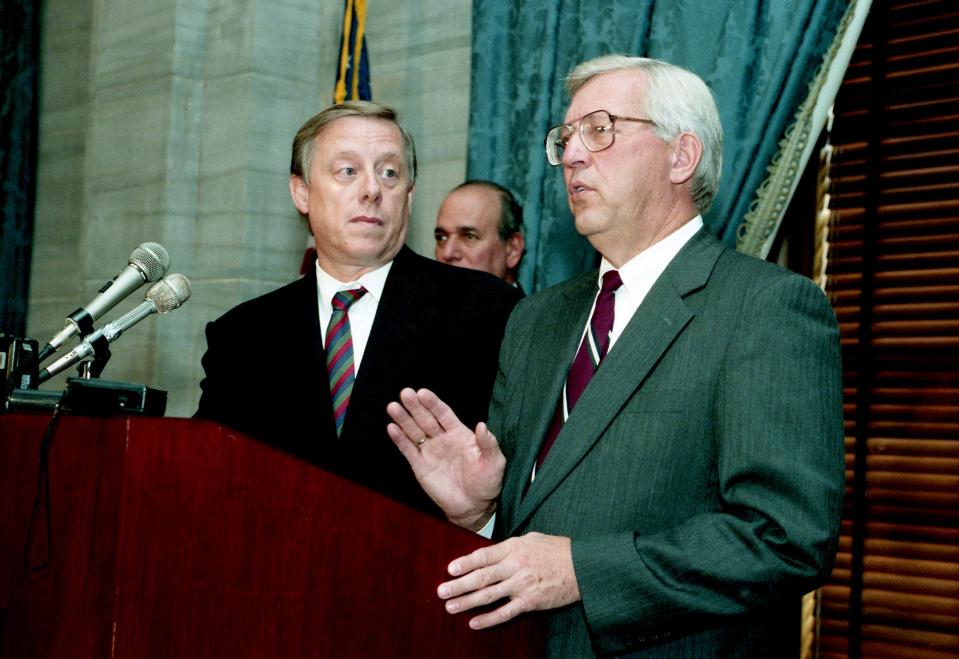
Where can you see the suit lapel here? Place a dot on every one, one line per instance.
(405, 306)
(310, 345)
(659, 320)
(549, 360)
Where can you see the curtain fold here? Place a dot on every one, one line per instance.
(19, 76)
(758, 227)
(758, 57)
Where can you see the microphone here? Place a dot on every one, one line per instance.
(148, 262)
(163, 297)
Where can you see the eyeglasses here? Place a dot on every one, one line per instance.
(597, 130)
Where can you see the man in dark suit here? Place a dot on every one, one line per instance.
(480, 226)
(677, 499)
(268, 370)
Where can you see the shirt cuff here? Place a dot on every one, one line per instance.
(487, 530)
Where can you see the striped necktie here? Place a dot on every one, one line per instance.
(591, 352)
(339, 354)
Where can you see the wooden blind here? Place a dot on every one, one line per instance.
(891, 269)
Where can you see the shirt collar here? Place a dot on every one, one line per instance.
(641, 271)
(373, 282)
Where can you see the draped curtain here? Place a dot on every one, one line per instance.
(19, 74)
(759, 58)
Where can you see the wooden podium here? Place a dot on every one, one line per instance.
(181, 538)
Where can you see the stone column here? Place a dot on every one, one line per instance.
(171, 121)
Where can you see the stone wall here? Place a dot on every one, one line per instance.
(170, 121)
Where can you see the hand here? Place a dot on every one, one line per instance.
(534, 571)
(460, 470)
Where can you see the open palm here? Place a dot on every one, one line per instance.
(460, 469)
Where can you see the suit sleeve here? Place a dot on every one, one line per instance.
(500, 387)
(214, 386)
(485, 335)
(778, 434)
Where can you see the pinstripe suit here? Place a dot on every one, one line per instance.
(700, 475)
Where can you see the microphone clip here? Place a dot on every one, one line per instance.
(101, 355)
(83, 320)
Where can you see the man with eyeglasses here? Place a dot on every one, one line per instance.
(664, 448)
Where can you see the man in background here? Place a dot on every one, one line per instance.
(311, 366)
(663, 460)
(480, 226)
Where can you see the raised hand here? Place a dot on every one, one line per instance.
(460, 469)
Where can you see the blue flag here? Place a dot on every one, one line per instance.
(353, 75)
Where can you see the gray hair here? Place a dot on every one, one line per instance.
(678, 101)
(307, 136)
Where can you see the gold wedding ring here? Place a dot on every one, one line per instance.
(421, 441)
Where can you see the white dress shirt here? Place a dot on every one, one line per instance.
(641, 272)
(362, 312)
(638, 275)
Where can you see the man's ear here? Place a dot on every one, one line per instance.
(515, 245)
(300, 192)
(686, 153)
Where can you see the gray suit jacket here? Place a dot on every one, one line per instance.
(700, 475)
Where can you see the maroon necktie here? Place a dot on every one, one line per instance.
(591, 352)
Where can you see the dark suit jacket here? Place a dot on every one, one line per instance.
(436, 326)
(700, 475)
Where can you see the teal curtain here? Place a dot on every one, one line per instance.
(19, 80)
(757, 56)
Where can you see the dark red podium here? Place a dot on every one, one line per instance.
(180, 538)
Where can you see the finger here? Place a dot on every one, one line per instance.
(505, 613)
(406, 446)
(482, 597)
(420, 414)
(482, 557)
(475, 581)
(398, 413)
(441, 412)
(485, 439)
(401, 415)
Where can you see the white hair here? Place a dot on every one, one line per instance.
(679, 102)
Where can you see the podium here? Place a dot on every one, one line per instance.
(182, 538)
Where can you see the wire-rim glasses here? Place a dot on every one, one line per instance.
(597, 130)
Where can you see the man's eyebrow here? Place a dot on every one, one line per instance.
(353, 153)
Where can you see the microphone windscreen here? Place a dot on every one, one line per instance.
(151, 259)
(170, 292)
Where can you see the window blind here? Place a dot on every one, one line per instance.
(890, 173)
